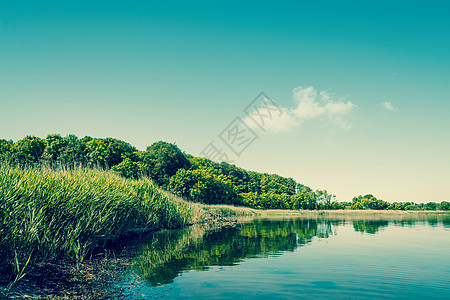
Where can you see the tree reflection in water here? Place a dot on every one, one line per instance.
(371, 226)
(168, 253)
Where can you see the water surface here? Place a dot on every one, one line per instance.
(295, 258)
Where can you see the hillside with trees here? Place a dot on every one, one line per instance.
(193, 178)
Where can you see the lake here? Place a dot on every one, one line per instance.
(295, 258)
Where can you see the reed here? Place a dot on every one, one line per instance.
(48, 214)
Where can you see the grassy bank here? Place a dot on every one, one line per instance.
(47, 215)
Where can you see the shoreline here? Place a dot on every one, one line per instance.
(65, 279)
(342, 214)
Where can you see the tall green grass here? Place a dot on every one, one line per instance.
(49, 214)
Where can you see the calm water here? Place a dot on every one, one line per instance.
(296, 258)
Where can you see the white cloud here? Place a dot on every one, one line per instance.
(309, 104)
(388, 105)
(283, 121)
(312, 105)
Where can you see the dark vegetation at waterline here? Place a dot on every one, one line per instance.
(193, 178)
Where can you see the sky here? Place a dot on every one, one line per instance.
(356, 94)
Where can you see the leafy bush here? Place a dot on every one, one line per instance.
(28, 150)
(129, 169)
(162, 160)
(369, 202)
(444, 205)
(203, 186)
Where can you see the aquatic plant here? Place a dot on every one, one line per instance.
(48, 214)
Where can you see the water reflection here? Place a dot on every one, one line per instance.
(371, 226)
(166, 254)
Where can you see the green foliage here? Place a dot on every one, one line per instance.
(256, 190)
(6, 148)
(208, 180)
(28, 150)
(430, 206)
(74, 151)
(246, 181)
(162, 160)
(396, 206)
(268, 184)
(50, 214)
(129, 169)
(325, 200)
(194, 178)
(444, 205)
(203, 186)
(66, 151)
(277, 184)
(408, 206)
(274, 201)
(198, 179)
(54, 145)
(411, 206)
(305, 199)
(94, 152)
(338, 205)
(238, 176)
(108, 152)
(369, 202)
(182, 183)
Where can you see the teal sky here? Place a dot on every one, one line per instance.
(143, 71)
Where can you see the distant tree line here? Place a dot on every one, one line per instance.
(371, 202)
(193, 178)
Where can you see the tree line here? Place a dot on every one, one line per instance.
(192, 178)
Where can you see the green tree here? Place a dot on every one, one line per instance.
(305, 199)
(369, 201)
(54, 145)
(444, 205)
(108, 152)
(28, 150)
(238, 176)
(203, 186)
(325, 200)
(249, 199)
(128, 168)
(396, 206)
(338, 205)
(182, 183)
(269, 185)
(6, 148)
(411, 206)
(74, 150)
(162, 160)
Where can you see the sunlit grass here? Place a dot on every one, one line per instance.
(231, 211)
(49, 214)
